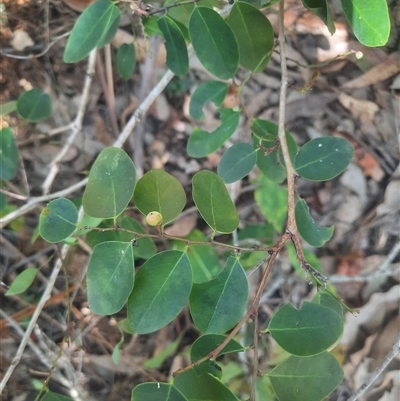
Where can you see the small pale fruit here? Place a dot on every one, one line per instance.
(154, 219)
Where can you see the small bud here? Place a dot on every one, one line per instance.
(154, 219)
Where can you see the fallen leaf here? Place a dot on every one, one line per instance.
(21, 40)
(384, 70)
(360, 109)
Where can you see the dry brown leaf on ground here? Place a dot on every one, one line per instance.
(364, 110)
(384, 70)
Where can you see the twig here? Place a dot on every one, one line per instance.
(388, 358)
(109, 98)
(25, 339)
(176, 4)
(42, 53)
(76, 126)
(383, 270)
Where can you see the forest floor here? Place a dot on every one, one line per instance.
(355, 98)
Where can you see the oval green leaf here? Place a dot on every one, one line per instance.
(202, 143)
(158, 191)
(311, 232)
(177, 55)
(22, 282)
(156, 392)
(162, 289)
(217, 305)
(126, 60)
(7, 108)
(203, 258)
(306, 331)
(110, 30)
(325, 299)
(110, 277)
(213, 202)
(58, 220)
(210, 91)
(208, 342)
(110, 186)
(50, 396)
(202, 387)
(265, 137)
(369, 21)
(321, 9)
(323, 158)
(93, 27)
(9, 154)
(237, 162)
(34, 105)
(306, 379)
(254, 35)
(214, 43)
(272, 201)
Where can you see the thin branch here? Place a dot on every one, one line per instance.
(25, 339)
(383, 270)
(388, 358)
(76, 126)
(42, 53)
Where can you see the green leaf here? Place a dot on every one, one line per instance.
(311, 232)
(151, 26)
(272, 201)
(126, 60)
(217, 305)
(158, 191)
(321, 9)
(22, 282)
(203, 258)
(163, 285)
(110, 30)
(202, 143)
(254, 35)
(306, 379)
(214, 43)
(237, 162)
(7, 108)
(9, 154)
(213, 202)
(34, 105)
(265, 137)
(369, 21)
(177, 55)
(93, 28)
(203, 387)
(325, 299)
(208, 342)
(156, 392)
(144, 247)
(58, 220)
(50, 396)
(110, 277)
(159, 359)
(110, 186)
(306, 331)
(210, 91)
(323, 158)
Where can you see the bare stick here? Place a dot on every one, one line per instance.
(76, 126)
(32, 322)
(392, 353)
